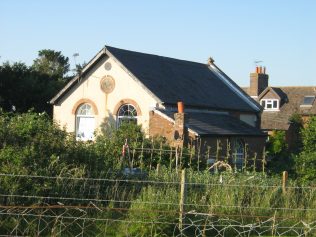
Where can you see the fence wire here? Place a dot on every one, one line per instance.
(70, 208)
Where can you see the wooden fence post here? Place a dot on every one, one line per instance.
(285, 176)
(177, 158)
(264, 160)
(158, 168)
(254, 162)
(182, 199)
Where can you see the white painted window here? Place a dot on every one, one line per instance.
(126, 113)
(238, 152)
(270, 104)
(85, 123)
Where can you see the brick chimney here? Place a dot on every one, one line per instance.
(259, 81)
(179, 126)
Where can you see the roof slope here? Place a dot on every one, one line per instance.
(173, 80)
(292, 98)
(212, 124)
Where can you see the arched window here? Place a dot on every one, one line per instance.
(126, 113)
(85, 122)
(238, 153)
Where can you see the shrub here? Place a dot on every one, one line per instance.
(305, 162)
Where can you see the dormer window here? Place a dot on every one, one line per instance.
(308, 101)
(270, 104)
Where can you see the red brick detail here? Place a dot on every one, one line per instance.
(83, 101)
(160, 126)
(127, 101)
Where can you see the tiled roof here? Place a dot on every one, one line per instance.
(214, 124)
(291, 99)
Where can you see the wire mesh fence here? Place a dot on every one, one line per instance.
(162, 204)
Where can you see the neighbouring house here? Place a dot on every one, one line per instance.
(280, 103)
(119, 85)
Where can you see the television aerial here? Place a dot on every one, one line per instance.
(75, 55)
(257, 62)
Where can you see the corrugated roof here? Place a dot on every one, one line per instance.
(173, 80)
(214, 124)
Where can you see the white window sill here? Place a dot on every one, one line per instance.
(271, 110)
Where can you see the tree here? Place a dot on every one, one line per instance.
(277, 150)
(22, 88)
(305, 162)
(52, 63)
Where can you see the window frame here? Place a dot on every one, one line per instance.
(313, 97)
(238, 156)
(129, 118)
(274, 103)
(86, 115)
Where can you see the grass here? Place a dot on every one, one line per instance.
(223, 204)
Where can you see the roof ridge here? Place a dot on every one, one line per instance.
(293, 86)
(156, 55)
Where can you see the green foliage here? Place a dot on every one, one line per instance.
(296, 119)
(277, 145)
(226, 197)
(31, 142)
(305, 162)
(22, 88)
(277, 151)
(294, 130)
(51, 63)
(306, 166)
(150, 206)
(309, 135)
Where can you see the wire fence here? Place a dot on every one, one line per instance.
(154, 205)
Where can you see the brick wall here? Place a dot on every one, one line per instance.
(160, 126)
(171, 130)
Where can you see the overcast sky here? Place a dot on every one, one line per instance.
(281, 33)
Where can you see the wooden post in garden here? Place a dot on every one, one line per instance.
(170, 159)
(177, 158)
(160, 153)
(182, 199)
(246, 158)
(254, 162)
(142, 157)
(285, 176)
(158, 168)
(151, 153)
(264, 160)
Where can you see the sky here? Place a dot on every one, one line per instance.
(235, 33)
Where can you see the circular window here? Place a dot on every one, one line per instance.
(107, 66)
(107, 84)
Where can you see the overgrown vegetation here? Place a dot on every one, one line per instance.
(45, 161)
(305, 162)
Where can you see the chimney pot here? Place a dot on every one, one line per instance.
(180, 107)
(257, 69)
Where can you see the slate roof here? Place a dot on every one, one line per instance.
(213, 124)
(173, 80)
(291, 99)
